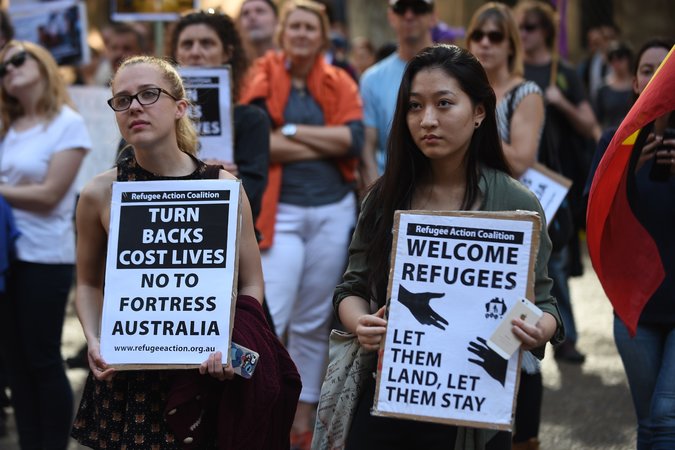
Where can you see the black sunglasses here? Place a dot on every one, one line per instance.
(145, 97)
(529, 27)
(418, 8)
(495, 37)
(16, 60)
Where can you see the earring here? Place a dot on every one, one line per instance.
(477, 124)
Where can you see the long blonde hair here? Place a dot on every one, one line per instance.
(186, 134)
(53, 97)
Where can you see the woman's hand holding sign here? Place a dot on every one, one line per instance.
(214, 367)
(99, 368)
(370, 328)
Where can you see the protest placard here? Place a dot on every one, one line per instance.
(156, 10)
(453, 277)
(550, 188)
(171, 271)
(58, 26)
(209, 91)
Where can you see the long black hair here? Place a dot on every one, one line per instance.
(407, 166)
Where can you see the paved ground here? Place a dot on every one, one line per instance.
(585, 407)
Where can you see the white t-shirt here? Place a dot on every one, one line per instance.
(46, 237)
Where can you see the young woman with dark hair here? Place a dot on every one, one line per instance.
(444, 154)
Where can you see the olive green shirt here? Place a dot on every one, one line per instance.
(499, 192)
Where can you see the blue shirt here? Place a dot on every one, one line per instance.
(379, 88)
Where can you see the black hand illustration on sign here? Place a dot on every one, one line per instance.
(494, 365)
(418, 304)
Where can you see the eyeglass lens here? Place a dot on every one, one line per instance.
(145, 97)
(16, 60)
(494, 37)
(418, 7)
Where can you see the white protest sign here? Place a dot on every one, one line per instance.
(102, 127)
(171, 272)
(549, 187)
(209, 90)
(453, 277)
(58, 26)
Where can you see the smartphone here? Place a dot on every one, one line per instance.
(243, 360)
(661, 172)
(503, 341)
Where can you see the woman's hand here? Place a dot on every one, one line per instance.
(370, 328)
(648, 150)
(214, 367)
(534, 336)
(99, 368)
(665, 153)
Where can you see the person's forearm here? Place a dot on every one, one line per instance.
(33, 197)
(88, 304)
(349, 311)
(330, 141)
(284, 150)
(581, 118)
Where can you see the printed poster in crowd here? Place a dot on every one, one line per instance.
(100, 120)
(59, 26)
(171, 271)
(144, 10)
(209, 91)
(454, 275)
(550, 188)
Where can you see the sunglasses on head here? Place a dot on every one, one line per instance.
(418, 8)
(16, 60)
(529, 27)
(495, 37)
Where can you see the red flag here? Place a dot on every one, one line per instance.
(624, 255)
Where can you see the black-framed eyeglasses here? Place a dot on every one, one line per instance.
(495, 37)
(145, 97)
(528, 27)
(16, 60)
(418, 7)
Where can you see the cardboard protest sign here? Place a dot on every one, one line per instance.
(58, 26)
(171, 271)
(209, 90)
(156, 10)
(550, 188)
(453, 277)
(100, 121)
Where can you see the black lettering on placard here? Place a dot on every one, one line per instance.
(165, 328)
(462, 402)
(410, 396)
(482, 278)
(167, 303)
(462, 251)
(157, 237)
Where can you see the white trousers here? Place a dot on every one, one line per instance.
(301, 270)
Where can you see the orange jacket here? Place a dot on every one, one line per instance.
(332, 88)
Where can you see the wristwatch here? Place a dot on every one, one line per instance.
(289, 130)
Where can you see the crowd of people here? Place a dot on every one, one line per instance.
(330, 139)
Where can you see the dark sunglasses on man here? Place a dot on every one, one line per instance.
(418, 7)
(495, 37)
(16, 61)
(528, 27)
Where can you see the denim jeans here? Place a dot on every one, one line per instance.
(649, 361)
(558, 270)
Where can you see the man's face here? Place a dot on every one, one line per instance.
(411, 20)
(257, 20)
(121, 46)
(532, 35)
